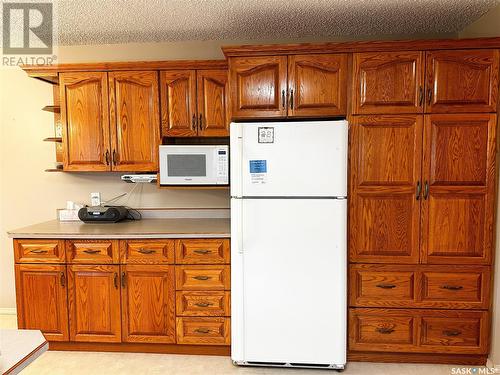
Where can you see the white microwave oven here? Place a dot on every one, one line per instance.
(194, 165)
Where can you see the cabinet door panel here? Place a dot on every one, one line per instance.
(213, 117)
(462, 81)
(42, 300)
(258, 86)
(94, 303)
(85, 121)
(178, 103)
(148, 297)
(317, 85)
(459, 168)
(388, 82)
(384, 218)
(135, 120)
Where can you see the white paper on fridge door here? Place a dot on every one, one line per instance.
(258, 171)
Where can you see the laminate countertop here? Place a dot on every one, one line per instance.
(145, 228)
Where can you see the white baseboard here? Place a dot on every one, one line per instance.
(8, 311)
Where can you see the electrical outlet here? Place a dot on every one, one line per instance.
(95, 199)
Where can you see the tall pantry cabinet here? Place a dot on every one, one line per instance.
(422, 185)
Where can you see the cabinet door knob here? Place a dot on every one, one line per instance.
(115, 280)
(193, 122)
(291, 99)
(426, 190)
(429, 96)
(419, 188)
(386, 286)
(201, 277)
(106, 156)
(283, 99)
(63, 279)
(420, 96)
(452, 332)
(114, 157)
(200, 124)
(124, 283)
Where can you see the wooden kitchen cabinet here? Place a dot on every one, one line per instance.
(388, 82)
(459, 187)
(194, 103)
(317, 85)
(85, 121)
(135, 120)
(462, 81)
(148, 303)
(94, 303)
(386, 157)
(42, 299)
(258, 86)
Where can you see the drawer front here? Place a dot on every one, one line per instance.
(419, 331)
(147, 251)
(204, 331)
(92, 252)
(202, 251)
(467, 288)
(201, 303)
(378, 285)
(202, 278)
(39, 251)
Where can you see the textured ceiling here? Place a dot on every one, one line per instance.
(121, 21)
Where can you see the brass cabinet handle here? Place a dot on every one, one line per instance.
(452, 287)
(200, 124)
(385, 286)
(202, 277)
(124, 283)
(419, 189)
(39, 251)
(291, 99)
(63, 279)
(203, 304)
(115, 280)
(283, 99)
(385, 331)
(202, 251)
(452, 332)
(91, 251)
(202, 330)
(146, 251)
(193, 122)
(429, 96)
(420, 96)
(106, 156)
(114, 157)
(426, 190)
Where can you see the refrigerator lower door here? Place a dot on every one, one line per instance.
(289, 281)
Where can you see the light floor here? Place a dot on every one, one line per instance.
(84, 363)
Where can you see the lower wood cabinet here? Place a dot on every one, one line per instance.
(41, 299)
(204, 331)
(94, 303)
(148, 303)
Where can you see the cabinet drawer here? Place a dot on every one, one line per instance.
(466, 286)
(419, 331)
(147, 251)
(202, 251)
(39, 251)
(204, 331)
(202, 278)
(201, 303)
(92, 251)
(419, 286)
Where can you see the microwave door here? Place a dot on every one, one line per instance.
(186, 168)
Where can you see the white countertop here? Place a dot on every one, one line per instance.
(145, 228)
(18, 348)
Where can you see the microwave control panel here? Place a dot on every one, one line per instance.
(222, 165)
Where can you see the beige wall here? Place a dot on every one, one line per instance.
(487, 26)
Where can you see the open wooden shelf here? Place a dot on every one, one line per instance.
(53, 139)
(52, 108)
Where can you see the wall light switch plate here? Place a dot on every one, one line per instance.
(95, 199)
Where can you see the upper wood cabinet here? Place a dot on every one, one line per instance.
(386, 156)
(293, 86)
(85, 119)
(135, 120)
(388, 82)
(194, 103)
(258, 86)
(317, 85)
(462, 81)
(459, 188)
(41, 299)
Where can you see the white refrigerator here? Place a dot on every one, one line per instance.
(289, 243)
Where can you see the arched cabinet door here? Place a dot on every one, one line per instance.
(212, 88)
(135, 120)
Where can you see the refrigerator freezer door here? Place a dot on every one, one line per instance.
(288, 271)
(296, 159)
